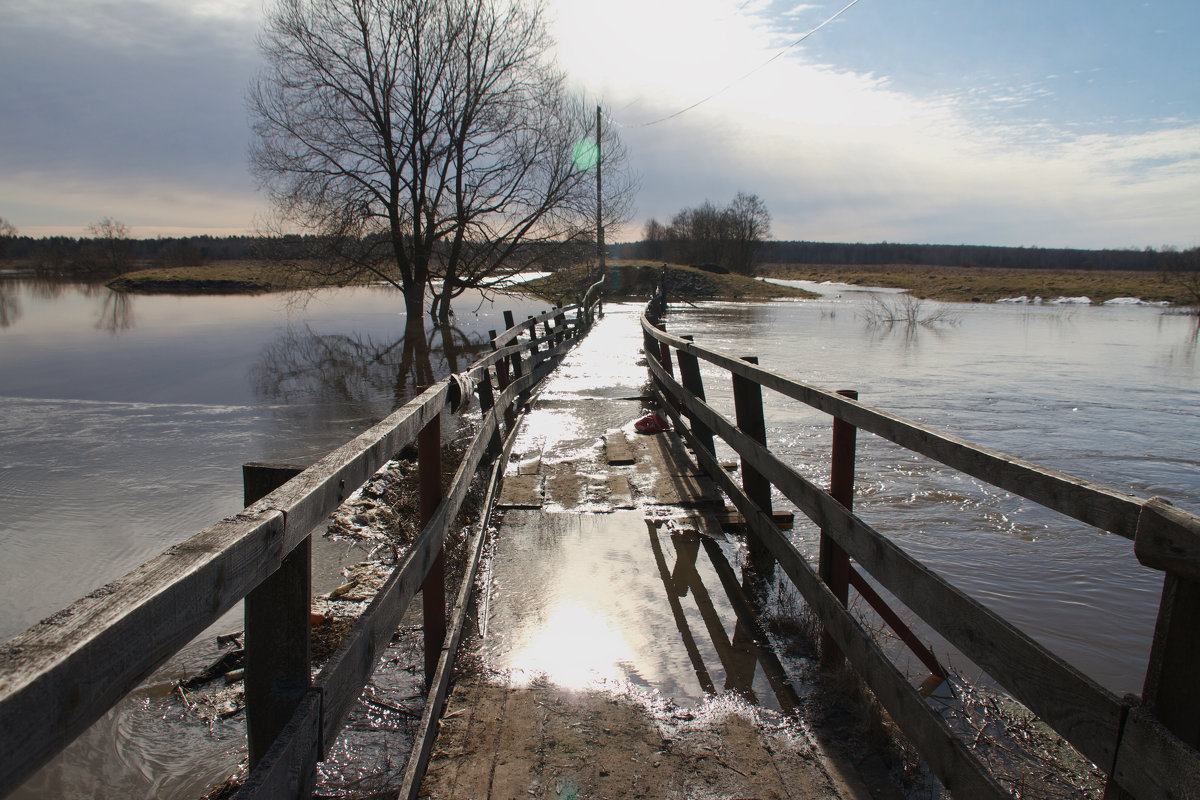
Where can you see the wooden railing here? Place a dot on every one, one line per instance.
(61, 675)
(1146, 745)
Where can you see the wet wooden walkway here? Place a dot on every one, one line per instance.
(617, 655)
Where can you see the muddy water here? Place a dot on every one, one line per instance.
(1110, 394)
(124, 421)
(193, 387)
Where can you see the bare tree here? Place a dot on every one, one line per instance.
(420, 140)
(750, 224)
(110, 252)
(1182, 270)
(8, 232)
(727, 236)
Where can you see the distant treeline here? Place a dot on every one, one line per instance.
(186, 251)
(951, 255)
(65, 252)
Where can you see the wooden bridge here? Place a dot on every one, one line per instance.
(64, 673)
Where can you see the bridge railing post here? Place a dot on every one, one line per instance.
(560, 326)
(278, 628)
(515, 358)
(748, 409)
(486, 401)
(433, 588)
(689, 375)
(510, 419)
(833, 563)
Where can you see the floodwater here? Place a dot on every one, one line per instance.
(1109, 394)
(595, 590)
(125, 421)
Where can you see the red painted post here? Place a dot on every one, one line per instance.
(433, 588)
(834, 564)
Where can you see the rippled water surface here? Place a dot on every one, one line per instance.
(124, 423)
(1109, 394)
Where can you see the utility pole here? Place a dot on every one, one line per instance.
(599, 201)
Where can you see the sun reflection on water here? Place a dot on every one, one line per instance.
(579, 645)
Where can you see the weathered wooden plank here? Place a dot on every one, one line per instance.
(1083, 712)
(1171, 689)
(427, 729)
(1086, 501)
(617, 449)
(1152, 763)
(682, 490)
(1168, 538)
(948, 757)
(278, 629)
(522, 491)
(348, 670)
(566, 487)
(312, 495)
(620, 493)
(733, 521)
(664, 454)
(61, 675)
(530, 466)
(287, 770)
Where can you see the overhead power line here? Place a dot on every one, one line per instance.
(738, 80)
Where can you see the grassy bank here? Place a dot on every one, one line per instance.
(225, 277)
(635, 280)
(988, 284)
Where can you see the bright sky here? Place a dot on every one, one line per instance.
(1064, 123)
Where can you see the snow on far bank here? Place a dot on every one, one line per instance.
(1082, 301)
(524, 277)
(830, 288)
(1037, 301)
(1135, 301)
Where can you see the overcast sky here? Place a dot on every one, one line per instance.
(1062, 123)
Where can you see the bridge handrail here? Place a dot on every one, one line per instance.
(1122, 737)
(62, 674)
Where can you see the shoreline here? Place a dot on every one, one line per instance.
(630, 280)
(989, 284)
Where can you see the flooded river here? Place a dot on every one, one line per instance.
(125, 421)
(1110, 394)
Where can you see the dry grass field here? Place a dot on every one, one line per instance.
(988, 284)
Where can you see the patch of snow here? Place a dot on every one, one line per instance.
(1082, 300)
(1023, 300)
(1134, 301)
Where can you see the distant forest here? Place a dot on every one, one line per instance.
(64, 251)
(949, 255)
(187, 251)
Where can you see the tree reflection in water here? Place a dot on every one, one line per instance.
(358, 374)
(10, 309)
(116, 312)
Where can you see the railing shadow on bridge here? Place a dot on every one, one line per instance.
(61, 675)
(1145, 745)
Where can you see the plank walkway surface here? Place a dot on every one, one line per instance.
(612, 660)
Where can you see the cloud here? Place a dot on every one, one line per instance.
(845, 155)
(113, 101)
(802, 8)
